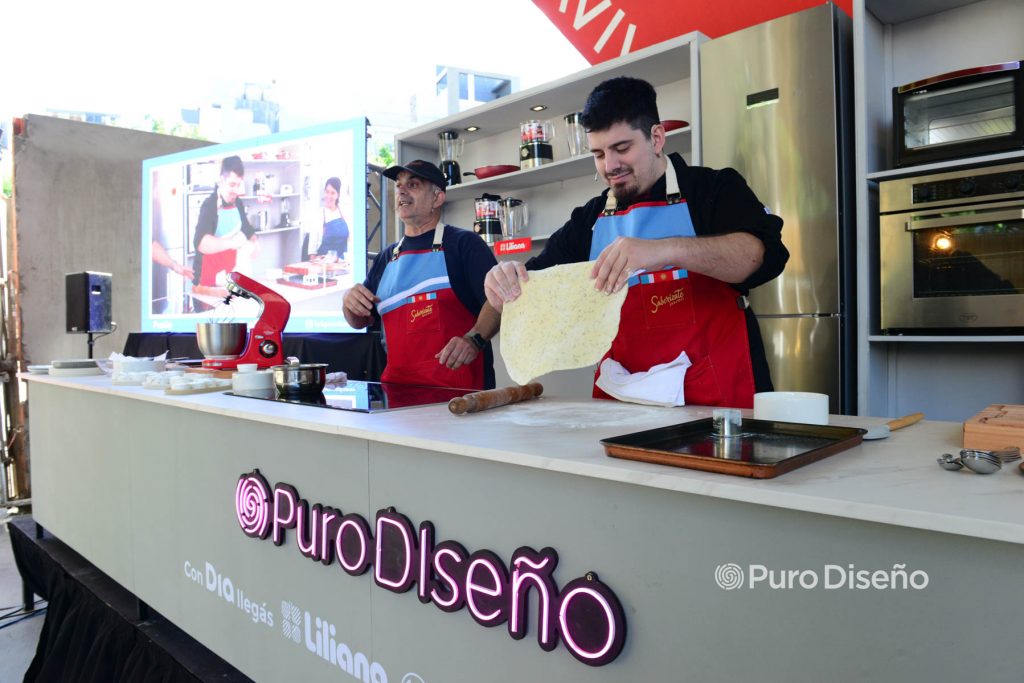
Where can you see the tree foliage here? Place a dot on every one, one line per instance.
(384, 156)
(178, 128)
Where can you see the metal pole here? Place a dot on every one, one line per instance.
(384, 210)
(380, 228)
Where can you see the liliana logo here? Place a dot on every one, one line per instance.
(319, 637)
(513, 246)
(830, 577)
(585, 614)
(291, 616)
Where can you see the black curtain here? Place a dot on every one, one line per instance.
(91, 633)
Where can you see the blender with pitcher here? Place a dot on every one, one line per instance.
(535, 144)
(514, 216)
(487, 223)
(576, 134)
(449, 149)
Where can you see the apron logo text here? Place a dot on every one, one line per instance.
(669, 300)
(420, 312)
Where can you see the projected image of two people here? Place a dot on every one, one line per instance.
(268, 214)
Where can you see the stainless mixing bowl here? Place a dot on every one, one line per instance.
(300, 378)
(222, 341)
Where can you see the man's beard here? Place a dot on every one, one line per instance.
(628, 191)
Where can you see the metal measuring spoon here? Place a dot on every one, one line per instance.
(949, 462)
(1009, 454)
(982, 462)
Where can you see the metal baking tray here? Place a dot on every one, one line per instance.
(763, 449)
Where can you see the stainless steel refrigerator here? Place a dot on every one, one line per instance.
(776, 103)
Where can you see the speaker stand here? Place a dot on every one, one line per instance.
(90, 340)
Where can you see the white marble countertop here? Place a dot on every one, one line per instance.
(891, 481)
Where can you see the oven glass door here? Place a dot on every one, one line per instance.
(940, 116)
(977, 254)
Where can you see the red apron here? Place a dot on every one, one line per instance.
(673, 310)
(420, 314)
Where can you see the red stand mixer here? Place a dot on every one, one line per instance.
(263, 345)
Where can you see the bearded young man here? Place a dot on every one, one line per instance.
(695, 237)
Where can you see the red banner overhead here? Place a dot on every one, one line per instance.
(605, 29)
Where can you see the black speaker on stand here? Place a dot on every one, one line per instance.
(88, 305)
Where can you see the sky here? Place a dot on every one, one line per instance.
(330, 61)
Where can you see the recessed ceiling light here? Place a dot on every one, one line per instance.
(472, 129)
(538, 107)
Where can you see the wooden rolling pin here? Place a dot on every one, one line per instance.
(905, 421)
(492, 398)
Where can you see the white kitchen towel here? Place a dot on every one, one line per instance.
(662, 385)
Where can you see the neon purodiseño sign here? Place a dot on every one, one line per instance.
(584, 614)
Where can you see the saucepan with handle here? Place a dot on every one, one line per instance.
(295, 378)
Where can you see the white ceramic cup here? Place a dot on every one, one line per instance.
(791, 406)
(255, 380)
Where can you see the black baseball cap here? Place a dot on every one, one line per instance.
(420, 168)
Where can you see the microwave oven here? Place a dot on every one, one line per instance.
(959, 114)
(951, 251)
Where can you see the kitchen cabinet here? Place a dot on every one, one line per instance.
(280, 197)
(897, 42)
(552, 190)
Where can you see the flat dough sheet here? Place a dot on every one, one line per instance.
(559, 322)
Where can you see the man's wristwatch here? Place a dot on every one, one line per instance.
(478, 341)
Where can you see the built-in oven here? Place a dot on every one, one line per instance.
(951, 249)
(960, 114)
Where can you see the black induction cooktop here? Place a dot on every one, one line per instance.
(363, 397)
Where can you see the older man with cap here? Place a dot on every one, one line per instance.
(426, 290)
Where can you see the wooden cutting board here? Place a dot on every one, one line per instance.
(998, 426)
(222, 374)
